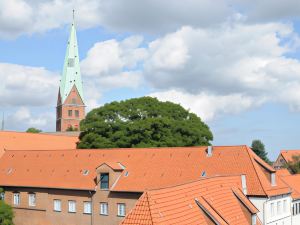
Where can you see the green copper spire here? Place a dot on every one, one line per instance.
(71, 74)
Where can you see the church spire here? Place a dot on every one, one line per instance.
(71, 73)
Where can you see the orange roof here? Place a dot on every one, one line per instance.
(195, 203)
(10, 140)
(283, 172)
(288, 154)
(145, 168)
(293, 181)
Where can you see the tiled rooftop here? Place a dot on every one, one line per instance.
(192, 203)
(288, 154)
(144, 168)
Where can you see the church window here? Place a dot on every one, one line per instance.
(71, 62)
(69, 113)
(76, 113)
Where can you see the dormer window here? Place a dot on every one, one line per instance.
(104, 181)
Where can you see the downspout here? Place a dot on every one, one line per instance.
(92, 207)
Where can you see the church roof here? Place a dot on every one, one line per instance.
(71, 73)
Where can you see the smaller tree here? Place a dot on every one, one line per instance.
(294, 165)
(259, 148)
(33, 130)
(6, 213)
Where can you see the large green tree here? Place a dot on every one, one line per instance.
(142, 122)
(6, 213)
(259, 148)
(294, 165)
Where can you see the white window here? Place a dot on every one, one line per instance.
(284, 206)
(16, 198)
(57, 205)
(103, 208)
(31, 199)
(72, 206)
(87, 207)
(2, 196)
(279, 208)
(272, 209)
(121, 209)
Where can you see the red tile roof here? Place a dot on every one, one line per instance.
(145, 168)
(191, 203)
(293, 181)
(288, 154)
(10, 140)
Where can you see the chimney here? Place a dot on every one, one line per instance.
(209, 151)
(273, 179)
(244, 184)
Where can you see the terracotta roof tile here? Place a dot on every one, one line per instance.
(288, 154)
(293, 181)
(147, 168)
(10, 140)
(193, 203)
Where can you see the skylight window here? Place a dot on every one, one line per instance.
(203, 174)
(126, 174)
(85, 172)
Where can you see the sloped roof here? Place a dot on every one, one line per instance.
(288, 154)
(293, 181)
(10, 140)
(194, 203)
(283, 172)
(145, 168)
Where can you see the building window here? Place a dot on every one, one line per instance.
(16, 198)
(76, 113)
(70, 113)
(121, 209)
(279, 208)
(272, 209)
(104, 180)
(72, 206)
(31, 199)
(103, 208)
(87, 207)
(284, 206)
(57, 205)
(2, 196)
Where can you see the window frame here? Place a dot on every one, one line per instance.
(77, 113)
(70, 112)
(103, 212)
(104, 182)
(32, 199)
(16, 198)
(54, 205)
(70, 208)
(119, 206)
(90, 207)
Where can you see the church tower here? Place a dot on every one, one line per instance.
(70, 108)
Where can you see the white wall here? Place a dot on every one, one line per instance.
(279, 216)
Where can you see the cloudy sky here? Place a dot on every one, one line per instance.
(235, 63)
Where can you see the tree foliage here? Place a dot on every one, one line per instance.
(6, 213)
(142, 122)
(294, 165)
(259, 148)
(33, 130)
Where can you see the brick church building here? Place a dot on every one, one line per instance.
(70, 108)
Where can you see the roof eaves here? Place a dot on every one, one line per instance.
(248, 204)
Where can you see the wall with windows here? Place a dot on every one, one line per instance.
(296, 212)
(275, 210)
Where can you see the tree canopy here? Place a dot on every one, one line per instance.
(6, 213)
(294, 165)
(33, 130)
(142, 122)
(259, 148)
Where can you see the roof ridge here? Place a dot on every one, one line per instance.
(251, 160)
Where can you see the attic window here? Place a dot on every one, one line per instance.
(71, 62)
(104, 180)
(203, 174)
(85, 172)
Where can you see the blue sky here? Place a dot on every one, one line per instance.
(235, 64)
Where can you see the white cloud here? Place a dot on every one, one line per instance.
(209, 106)
(27, 86)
